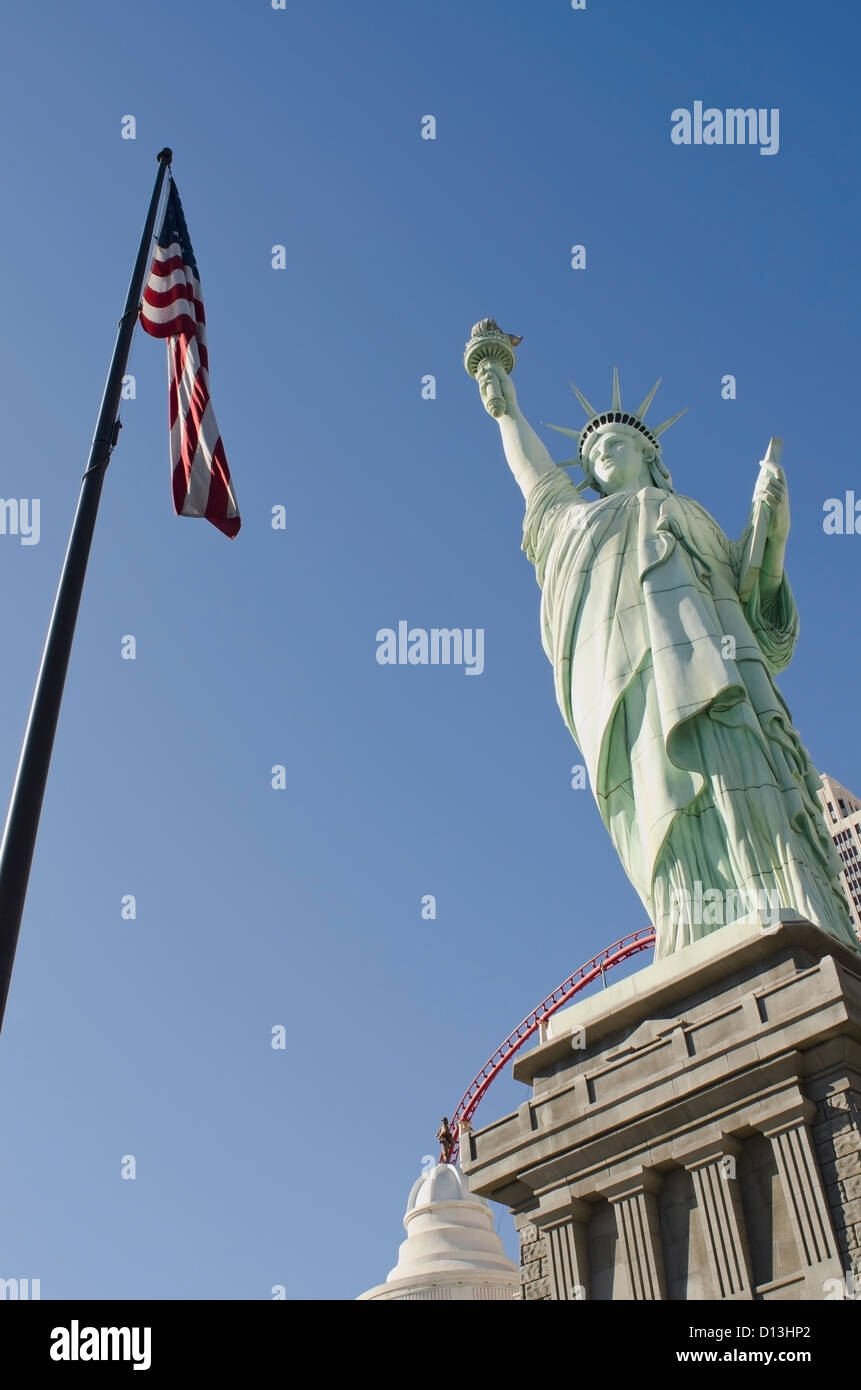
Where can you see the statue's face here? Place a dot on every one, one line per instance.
(618, 462)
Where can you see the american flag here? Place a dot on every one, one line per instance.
(172, 308)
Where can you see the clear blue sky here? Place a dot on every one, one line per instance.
(302, 907)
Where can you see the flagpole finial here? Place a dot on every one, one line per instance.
(164, 156)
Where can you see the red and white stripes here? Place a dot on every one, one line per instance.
(173, 309)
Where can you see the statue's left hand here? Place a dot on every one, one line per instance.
(771, 488)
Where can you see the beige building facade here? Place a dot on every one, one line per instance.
(842, 813)
(693, 1131)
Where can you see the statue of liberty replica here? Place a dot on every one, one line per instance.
(665, 638)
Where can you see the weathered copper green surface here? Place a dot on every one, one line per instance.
(665, 678)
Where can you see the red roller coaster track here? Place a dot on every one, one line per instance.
(598, 966)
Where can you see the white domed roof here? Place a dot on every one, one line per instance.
(451, 1249)
(444, 1183)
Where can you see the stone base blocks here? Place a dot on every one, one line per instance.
(694, 1131)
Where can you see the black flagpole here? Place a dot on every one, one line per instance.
(25, 806)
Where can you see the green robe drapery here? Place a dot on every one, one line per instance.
(664, 679)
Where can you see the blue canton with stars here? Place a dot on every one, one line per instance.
(174, 229)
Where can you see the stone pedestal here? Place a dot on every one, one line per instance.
(694, 1131)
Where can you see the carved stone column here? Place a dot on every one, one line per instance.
(800, 1178)
(635, 1202)
(721, 1217)
(567, 1252)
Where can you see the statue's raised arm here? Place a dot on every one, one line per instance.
(489, 358)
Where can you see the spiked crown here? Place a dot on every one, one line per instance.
(633, 420)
